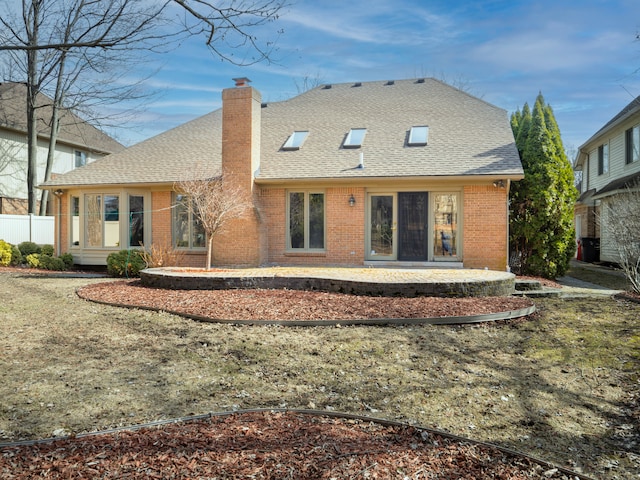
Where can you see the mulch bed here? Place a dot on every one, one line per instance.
(270, 445)
(264, 304)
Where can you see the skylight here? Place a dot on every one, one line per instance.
(418, 136)
(295, 141)
(355, 138)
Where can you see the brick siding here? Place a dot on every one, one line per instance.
(485, 227)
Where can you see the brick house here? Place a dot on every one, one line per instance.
(404, 173)
(609, 163)
(78, 143)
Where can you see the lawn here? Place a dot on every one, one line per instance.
(561, 385)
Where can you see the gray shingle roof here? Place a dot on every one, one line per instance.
(467, 136)
(73, 130)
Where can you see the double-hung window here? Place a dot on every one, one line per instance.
(632, 147)
(603, 159)
(81, 159)
(187, 229)
(305, 221)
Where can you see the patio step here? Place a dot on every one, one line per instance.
(545, 292)
(527, 285)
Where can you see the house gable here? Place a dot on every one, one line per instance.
(324, 203)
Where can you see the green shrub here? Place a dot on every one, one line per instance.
(125, 263)
(33, 260)
(47, 250)
(52, 263)
(67, 258)
(27, 248)
(5, 253)
(16, 256)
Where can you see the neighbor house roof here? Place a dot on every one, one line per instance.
(73, 130)
(466, 137)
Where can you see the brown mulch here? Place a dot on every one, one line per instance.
(270, 445)
(262, 304)
(276, 445)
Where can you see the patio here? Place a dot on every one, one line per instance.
(386, 282)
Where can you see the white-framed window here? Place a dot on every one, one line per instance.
(187, 230)
(418, 136)
(102, 220)
(81, 159)
(632, 144)
(75, 220)
(295, 141)
(305, 220)
(603, 159)
(355, 137)
(136, 221)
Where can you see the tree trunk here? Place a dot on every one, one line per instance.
(209, 250)
(53, 133)
(32, 134)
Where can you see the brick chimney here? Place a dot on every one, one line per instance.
(241, 112)
(241, 245)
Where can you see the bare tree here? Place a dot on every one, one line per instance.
(44, 36)
(213, 203)
(308, 82)
(620, 224)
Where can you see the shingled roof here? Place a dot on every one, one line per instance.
(467, 137)
(73, 130)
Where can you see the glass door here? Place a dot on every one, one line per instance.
(412, 226)
(382, 227)
(445, 227)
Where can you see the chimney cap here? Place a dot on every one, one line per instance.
(241, 81)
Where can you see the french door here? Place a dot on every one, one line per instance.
(400, 226)
(413, 229)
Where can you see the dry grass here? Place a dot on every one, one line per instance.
(560, 385)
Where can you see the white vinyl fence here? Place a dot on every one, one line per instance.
(16, 229)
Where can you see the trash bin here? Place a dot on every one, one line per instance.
(590, 249)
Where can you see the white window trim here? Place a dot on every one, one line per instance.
(307, 205)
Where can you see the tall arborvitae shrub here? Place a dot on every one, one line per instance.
(542, 237)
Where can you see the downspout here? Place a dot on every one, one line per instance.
(508, 223)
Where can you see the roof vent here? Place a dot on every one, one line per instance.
(241, 81)
(264, 105)
(357, 84)
(420, 80)
(390, 82)
(327, 87)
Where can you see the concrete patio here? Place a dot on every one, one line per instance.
(390, 282)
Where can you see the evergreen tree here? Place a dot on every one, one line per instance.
(541, 226)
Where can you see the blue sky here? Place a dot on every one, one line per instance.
(582, 55)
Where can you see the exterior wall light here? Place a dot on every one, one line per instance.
(352, 201)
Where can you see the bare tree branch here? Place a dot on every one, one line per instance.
(80, 41)
(214, 203)
(620, 225)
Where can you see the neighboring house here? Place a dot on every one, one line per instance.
(609, 163)
(78, 144)
(405, 173)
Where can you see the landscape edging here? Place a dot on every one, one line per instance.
(325, 413)
(453, 320)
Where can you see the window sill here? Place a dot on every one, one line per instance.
(304, 254)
